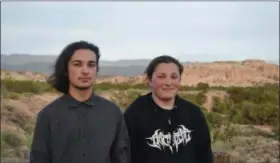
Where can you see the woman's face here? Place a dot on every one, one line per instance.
(165, 81)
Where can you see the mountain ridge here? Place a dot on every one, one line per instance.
(248, 72)
(44, 64)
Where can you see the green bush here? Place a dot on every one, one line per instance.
(202, 86)
(190, 97)
(220, 127)
(197, 99)
(254, 105)
(200, 98)
(214, 120)
(248, 112)
(220, 106)
(258, 94)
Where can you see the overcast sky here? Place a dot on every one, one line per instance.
(190, 31)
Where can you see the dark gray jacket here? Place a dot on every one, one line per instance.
(68, 131)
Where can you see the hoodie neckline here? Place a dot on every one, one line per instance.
(158, 108)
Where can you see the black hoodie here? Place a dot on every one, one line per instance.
(180, 135)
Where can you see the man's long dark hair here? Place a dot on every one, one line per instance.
(59, 79)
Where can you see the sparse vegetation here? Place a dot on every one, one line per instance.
(24, 86)
(124, 98)
(198, 98)
(254, 105)
(248, 106)
(12, 95)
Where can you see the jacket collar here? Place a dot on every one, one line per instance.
(73, 103)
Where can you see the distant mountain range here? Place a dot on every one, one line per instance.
(44, 64)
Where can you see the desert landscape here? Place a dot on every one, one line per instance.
(239, 99)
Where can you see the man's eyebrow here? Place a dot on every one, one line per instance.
(76, 61)
(92, 61)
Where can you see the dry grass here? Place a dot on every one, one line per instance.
(252, 145)
(17, 123)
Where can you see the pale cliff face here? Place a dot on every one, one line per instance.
(245, 73)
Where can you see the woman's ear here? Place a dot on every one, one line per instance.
(149, 82)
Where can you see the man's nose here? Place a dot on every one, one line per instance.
(85, 69)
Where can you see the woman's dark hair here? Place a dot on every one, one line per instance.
(162, 59)
(59, 79)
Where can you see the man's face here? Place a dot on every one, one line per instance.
(165, 81)
(82, 69)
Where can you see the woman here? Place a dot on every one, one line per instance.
(163, 127)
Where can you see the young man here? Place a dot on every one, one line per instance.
(79, 126)
(163, 127)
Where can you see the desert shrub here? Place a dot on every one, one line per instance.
(248, 112)
(254, 105)
(224, 133)
(214, 120)
(28, 140)
(126, 86)
(190, 97)
(28, 127)
(197, 99)
(220, 106)
(220, 127)
(26, 86)
(200, 98)
(275, 130)
(118, 86)
(12, 95)
(4, 146)
(187, 88)
(124, 98)
(259, 94)
(25, 121)
(12, 139)
(15, 145)
(4, 90)
(202, 86)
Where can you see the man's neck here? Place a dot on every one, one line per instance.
(168, 104)
(80, 95)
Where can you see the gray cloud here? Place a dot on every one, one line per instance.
(196, 30)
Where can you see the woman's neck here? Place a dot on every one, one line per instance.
(165, 104)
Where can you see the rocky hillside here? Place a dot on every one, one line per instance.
(227, 73)
(21, 75)
(244, 73)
